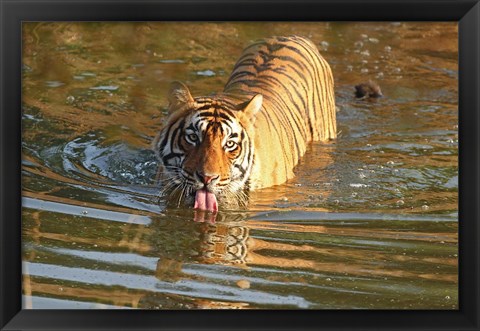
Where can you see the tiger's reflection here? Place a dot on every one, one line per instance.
(225, 242)
(218, 238)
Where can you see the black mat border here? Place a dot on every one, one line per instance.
(14, 12)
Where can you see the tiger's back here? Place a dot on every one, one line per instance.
(298, 106)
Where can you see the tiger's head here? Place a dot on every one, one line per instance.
(205, 150)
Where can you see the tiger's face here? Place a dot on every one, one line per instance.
(205, 150)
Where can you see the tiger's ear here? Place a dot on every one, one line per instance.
(179, 96)
(253, 107)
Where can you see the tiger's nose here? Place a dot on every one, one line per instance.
(206, 178)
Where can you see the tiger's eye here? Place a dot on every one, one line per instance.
(192, 137)
(230, 144)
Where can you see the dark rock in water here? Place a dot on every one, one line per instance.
(369, 89)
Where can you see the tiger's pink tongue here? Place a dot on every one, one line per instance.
(205, 200)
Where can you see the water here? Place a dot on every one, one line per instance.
(369, 222)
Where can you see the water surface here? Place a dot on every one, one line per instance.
(369, 222)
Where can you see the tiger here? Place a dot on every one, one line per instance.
(213, 150)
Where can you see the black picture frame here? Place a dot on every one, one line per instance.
(14, 12)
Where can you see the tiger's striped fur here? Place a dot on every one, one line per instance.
(279, 97)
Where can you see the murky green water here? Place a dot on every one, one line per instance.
(370, 221)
